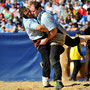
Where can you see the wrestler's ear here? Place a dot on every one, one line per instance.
(39, 8)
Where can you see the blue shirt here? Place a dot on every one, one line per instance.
(88, 18)
(45, 18)
(30, 27)
(10, 26)
(82, 21)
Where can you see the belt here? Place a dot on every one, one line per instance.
(37, 43)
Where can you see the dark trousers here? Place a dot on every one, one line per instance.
(77, 66)
(45, 52)
(51, 55)
(87, 66)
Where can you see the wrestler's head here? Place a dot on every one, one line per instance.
(25, 12)
(35, 8)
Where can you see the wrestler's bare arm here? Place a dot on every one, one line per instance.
(41, 28)
(84, 38)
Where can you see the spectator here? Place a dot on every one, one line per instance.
(72, 1)
(26, 4)
(17, 20)
(56, 8)
(74, 27)
(83, 1)
(73, 19)
(66, 14)
(68, 3)
(1, 8)
(49, 7)
(62, 2)
(62, 23)
(76, 6)
(11, 16)
(4, 10)
(81, 10)
(71, 10)
(62, 10)
(85, 26)
(80, 21)
(88, 14)
(7, 13)
(3, 21)
(53, 4)
(87, 67)
(12, 1)
(16, 13)
(1, 16)
(10, 27)
(29, 3)
(7, 4)
(68, 20)
(3, 29)
(86, 5)
(16, 3)
(20, 28)
(75, 56)
(12, 9)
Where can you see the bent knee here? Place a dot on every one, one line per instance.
(53, 61)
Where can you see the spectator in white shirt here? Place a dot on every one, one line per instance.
(12, 9)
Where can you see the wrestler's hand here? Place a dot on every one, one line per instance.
(82, 58)
(43, 41)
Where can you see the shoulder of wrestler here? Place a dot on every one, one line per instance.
(46, 14)
(28, 22)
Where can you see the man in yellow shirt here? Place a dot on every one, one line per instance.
(75, 56)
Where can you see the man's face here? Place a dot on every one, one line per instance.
(27, 12)
(10, 22)
(34, 11)
(87, 24)
(81, 6)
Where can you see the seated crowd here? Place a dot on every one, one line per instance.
(71, 14)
